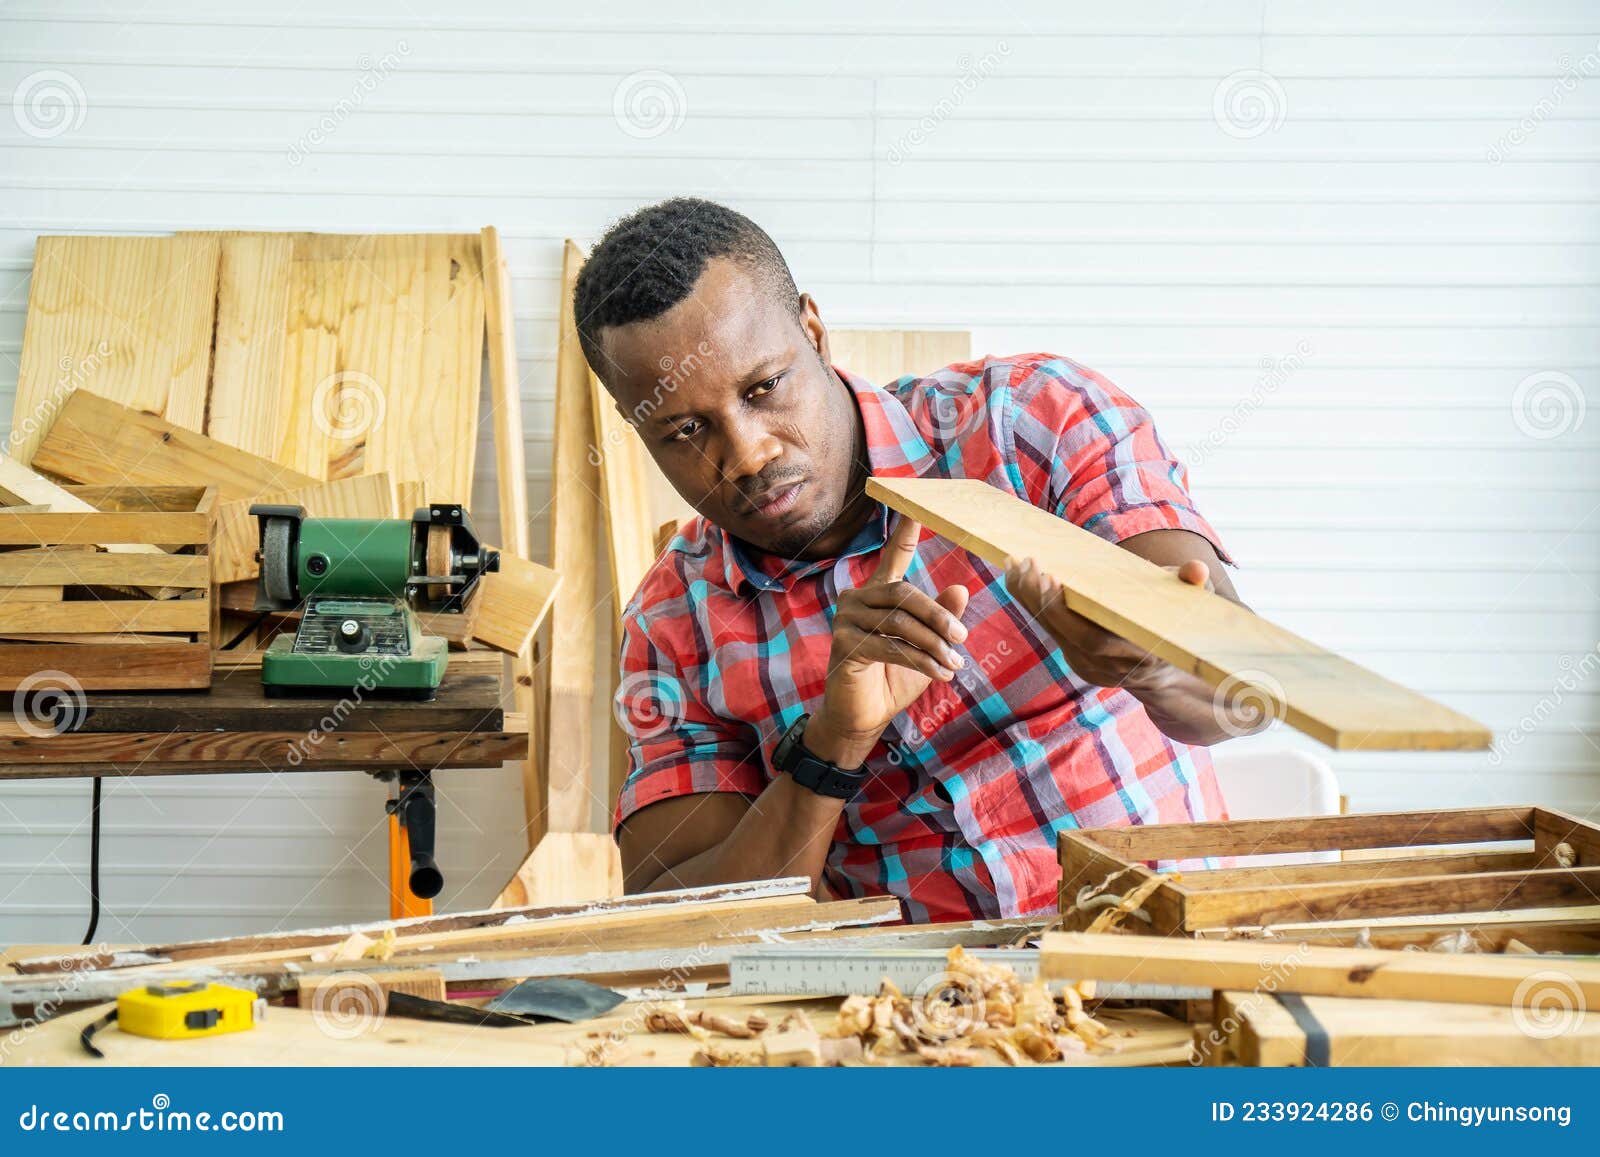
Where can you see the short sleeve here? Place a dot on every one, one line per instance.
(676, 744)
(1091, 454)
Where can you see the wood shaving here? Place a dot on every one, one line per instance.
(949, 1057)
(700, 1023)
(718, 1057)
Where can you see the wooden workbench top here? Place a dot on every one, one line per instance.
(234, 726)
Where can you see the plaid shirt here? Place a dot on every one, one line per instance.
(724, 647)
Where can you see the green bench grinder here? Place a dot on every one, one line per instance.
(359, 583)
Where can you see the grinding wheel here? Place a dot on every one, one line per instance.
(277, 562)
(439, 561)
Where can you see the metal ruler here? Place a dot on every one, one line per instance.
(773, 969)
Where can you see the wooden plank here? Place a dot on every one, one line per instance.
(511, 603)
(140, 499)
(167, 528)
(1084, 864)
(566, 868)
(384, 358)
(1576, 934)
(247, 363)
(882, 355)
(1249, 659)
(1315, 833)
(108, 666)
(1392, 1032)
(177, 752)
(1411, 866)
(237, 534)
(72, 566)
(1284, 967)
(107, 616)
(574, 515)
(511, 473)
(1397, 896)
(97, 441)
(130, 317)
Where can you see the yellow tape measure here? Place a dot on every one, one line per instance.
(180, 1011)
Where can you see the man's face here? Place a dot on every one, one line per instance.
(734, 398)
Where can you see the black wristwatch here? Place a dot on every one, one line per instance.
(808, 771)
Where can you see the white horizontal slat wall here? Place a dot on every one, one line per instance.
(1330, 307)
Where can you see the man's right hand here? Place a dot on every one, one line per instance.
(890, 640)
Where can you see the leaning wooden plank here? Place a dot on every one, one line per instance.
(574, 516)
(511, 603)
(505, 397)
(247, 365)
(1260, 669)
(1315, 833)
(882, 355)
(1390, 1032)
(236, 535)
(97, 441)
(1303, 968)
(129, 317)
(566, 868)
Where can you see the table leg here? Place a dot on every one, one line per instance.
(414, 878)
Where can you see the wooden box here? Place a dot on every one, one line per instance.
(136, 616)
(1521, 857)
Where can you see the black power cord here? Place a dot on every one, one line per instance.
(94, 865)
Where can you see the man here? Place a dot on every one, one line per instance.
(814, 688)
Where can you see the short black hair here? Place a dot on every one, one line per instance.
(649, 261)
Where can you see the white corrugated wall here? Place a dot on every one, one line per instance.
(1348, 254)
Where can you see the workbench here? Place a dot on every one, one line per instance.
(234, 727)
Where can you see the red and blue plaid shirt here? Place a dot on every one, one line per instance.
(725, 647)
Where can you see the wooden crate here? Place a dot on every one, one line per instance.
(1523, 857)
(138, 617)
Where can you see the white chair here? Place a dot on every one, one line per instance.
(1260, 785)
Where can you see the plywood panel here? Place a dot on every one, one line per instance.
(882, 355)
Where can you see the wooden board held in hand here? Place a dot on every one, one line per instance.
(1255, 665)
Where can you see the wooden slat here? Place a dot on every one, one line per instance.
(1411, 866)
(157, 753)
(1393, 896)
(97, 441)
(167, 529)
(247, 365)
(237, 534)
(1315, 833)
(131, 316)
(1330, 698)
(1354, 972)
(18, 483)
(108, 615)
(139, 499)
(109, 666)
(71, 565)
(882, 355)
(574, 513)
